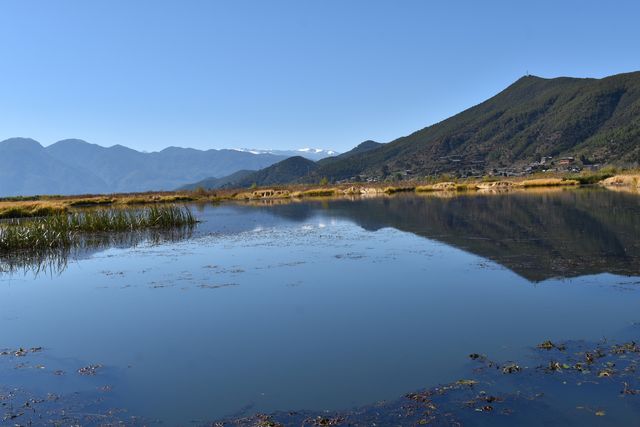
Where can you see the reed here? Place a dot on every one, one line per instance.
(63, 230)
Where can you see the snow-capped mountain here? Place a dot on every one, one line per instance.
(309, 153)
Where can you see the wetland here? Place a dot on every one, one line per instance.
(395, 310)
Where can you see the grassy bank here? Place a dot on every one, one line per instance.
(42, 206)
(63, 230)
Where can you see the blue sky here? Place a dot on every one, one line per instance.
(285, 74)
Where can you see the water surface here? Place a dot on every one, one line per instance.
(325, 304)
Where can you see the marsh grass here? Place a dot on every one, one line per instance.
(156, 199)
(67, 230)
(94, 201)
(28, 210)
(548, 182)
(425, 189)
(466, 186)
(393, 190)
(318, 192)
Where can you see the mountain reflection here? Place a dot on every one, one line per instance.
(538, 235)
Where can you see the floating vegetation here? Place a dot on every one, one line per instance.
(90, 370)
(528, 396)
(550, 390)
(20, 352)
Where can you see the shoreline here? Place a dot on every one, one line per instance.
(47, 205)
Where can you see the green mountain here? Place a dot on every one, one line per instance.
(211, 183)
(359, 149)
(286, 171)
(596, 120)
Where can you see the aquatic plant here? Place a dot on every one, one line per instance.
(62, 230)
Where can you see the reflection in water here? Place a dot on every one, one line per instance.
(54, 261)
(181, 330)
(537, 235)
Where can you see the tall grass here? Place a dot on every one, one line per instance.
(31, 210)
(63, 230)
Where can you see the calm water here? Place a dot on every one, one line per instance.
(326, 305)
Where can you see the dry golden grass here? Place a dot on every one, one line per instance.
(548, 182)
(156, 198)
(319, 192)
(425, 189)
(403, 189)
(467, 186)
(30, 209)
(49, 205)
(91, 201)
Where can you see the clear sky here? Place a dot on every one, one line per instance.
(285, 73)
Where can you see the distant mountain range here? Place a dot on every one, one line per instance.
(289, 170)
(225, 181)
(74, 166)
(308, 153)
(533, 122)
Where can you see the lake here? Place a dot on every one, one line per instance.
(325, 305)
